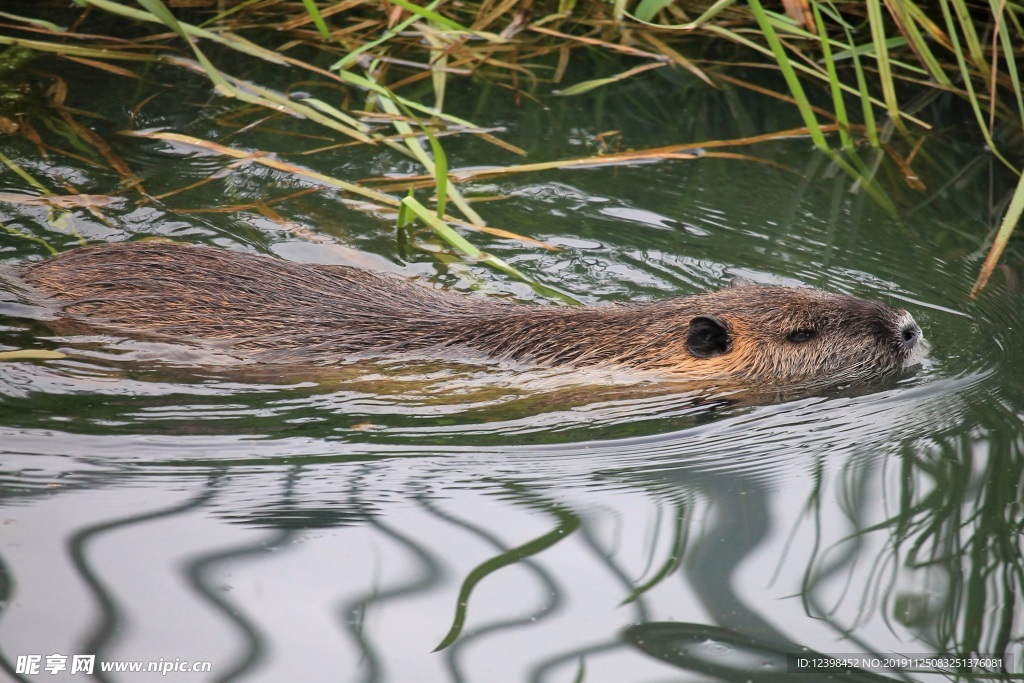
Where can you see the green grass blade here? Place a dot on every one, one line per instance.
(160, 11)
(786, 67)
(330, 110)
(440, 168)
(316, 110)
(972, 97)
(876, 21)
(646, 10)
(369, 84)
(433, 165)
(783, 24)
(270, 161)
(587, 86)
(460, 243)
(430, 14)
(405, 214)
(864, 176)
(444, 230)
(908, 15)
(227, 39)
(867, 109)
(838, 105)
(891, 44)
(803, 68)
(963, 16)
(41, 23)
(318, 20)
(440, 173)
(707, 16)
(23, 174)
(350, 59)
(1006, 42)
(77, 50)
(463, 245)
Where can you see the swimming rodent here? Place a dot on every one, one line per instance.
(277, 311)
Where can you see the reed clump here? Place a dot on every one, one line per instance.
(864, 76)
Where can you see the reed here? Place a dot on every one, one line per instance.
(852, 70)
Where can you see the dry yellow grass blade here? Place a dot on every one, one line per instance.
(677, 58)
(693, 150)
(67, 201)
(1010, 221)
(58, 95)
(76, 50)
(275, 101)
(265, 159)
(767, 92)
(31, 354)
(110, 68)
(505, 234)
(615, 47)
(306, 19)
(498, 142)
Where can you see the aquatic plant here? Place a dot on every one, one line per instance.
(867, 78)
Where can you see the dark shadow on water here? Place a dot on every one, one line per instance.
(734, 656)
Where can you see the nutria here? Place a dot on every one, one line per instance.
(277, 311)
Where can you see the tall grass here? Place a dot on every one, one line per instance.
(851, 69)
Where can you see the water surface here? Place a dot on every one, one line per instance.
(415, 521)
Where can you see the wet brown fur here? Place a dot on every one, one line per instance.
(273, 310)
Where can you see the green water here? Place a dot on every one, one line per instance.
(290, 525)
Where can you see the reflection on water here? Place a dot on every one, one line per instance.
(410, 521)
(729, 656)
(822, 524)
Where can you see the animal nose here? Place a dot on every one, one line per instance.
(910, 335)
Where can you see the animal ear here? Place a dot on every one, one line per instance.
(708, 337)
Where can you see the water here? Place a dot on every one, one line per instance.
(419, 521)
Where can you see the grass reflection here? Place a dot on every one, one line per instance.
(568, 522)
(950, 572)
(550, 588)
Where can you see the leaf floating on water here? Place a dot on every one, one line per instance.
(31, 354)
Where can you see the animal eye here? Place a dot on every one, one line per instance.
(801, 336)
